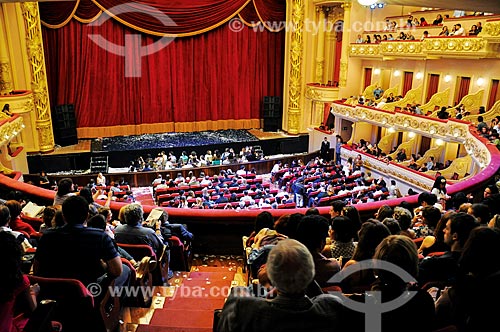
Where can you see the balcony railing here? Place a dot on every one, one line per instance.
(429, 48)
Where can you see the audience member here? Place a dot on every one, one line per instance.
(290, 268)
(444, 268)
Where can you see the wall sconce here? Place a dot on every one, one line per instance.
(392, 130)
(397, 73)
(439, 142)
(376, 71)
(480, 81)
(447, 78)
(411, 134)
(419, 76)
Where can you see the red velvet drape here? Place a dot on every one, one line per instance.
(368, 77)
(407, 81)
(432, 86)
(212, 76)
(493, 93)
(173, 17)
(463, 89)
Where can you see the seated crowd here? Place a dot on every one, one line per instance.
(164, 161)
(448, 247)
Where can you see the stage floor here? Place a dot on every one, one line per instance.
(121, 150)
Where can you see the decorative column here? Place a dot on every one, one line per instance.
(345, 44)
(5, 76)
(320, 49)
(39, 86)
(295, 58)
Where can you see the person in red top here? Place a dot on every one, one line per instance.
(15, 286)
(16, 223)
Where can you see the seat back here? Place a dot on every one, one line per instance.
(74, 303)
(179, 254)
(138, 251)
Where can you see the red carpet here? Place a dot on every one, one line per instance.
(192, 307)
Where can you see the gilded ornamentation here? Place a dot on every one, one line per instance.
(488, 116)
(406, 48)
(10, 129)
(407, 146)
(471, 102)
(343, 73)
(429, 47)
(461, 166)
(319, 70)
(5, 77)
(385, 143)
(413, 96)
(454, 44)
(437, 99)
(38, 75)
(365, 50)
(296, 49)
(312, 93)
(491, 29)
(368, 93)
(394, 90)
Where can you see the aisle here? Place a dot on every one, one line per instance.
(189, 303)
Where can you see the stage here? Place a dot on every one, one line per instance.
(121, 150)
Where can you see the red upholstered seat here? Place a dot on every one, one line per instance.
(75, 304)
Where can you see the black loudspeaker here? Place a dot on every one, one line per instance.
(271, 107)
(64, 125)
(272, 124)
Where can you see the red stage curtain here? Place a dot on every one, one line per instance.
(432, 87)
(87, 10)
(407, 82)
(219, 75)
(368, 77)
(184, 18)
(493, 94)
(463, 90)
(57, 14)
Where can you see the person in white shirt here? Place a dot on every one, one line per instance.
(100, 180)
(459, 31)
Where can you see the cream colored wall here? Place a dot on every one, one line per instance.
(13, 27)
(364, 131)
(450, 152)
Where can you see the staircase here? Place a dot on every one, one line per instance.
(188, 304)
(99, 163)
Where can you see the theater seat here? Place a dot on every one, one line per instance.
(157, 266)
(75, 308)
(180, 254)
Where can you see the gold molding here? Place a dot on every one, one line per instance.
(6, 85)
(39, 84)
(295, 58)
(488, 116)
(411, 97)
(451, 131)
(429, 48)
(437, 99)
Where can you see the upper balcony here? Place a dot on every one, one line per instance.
(471, 47)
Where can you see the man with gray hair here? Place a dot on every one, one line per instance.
(290, 268)
(132, 232)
